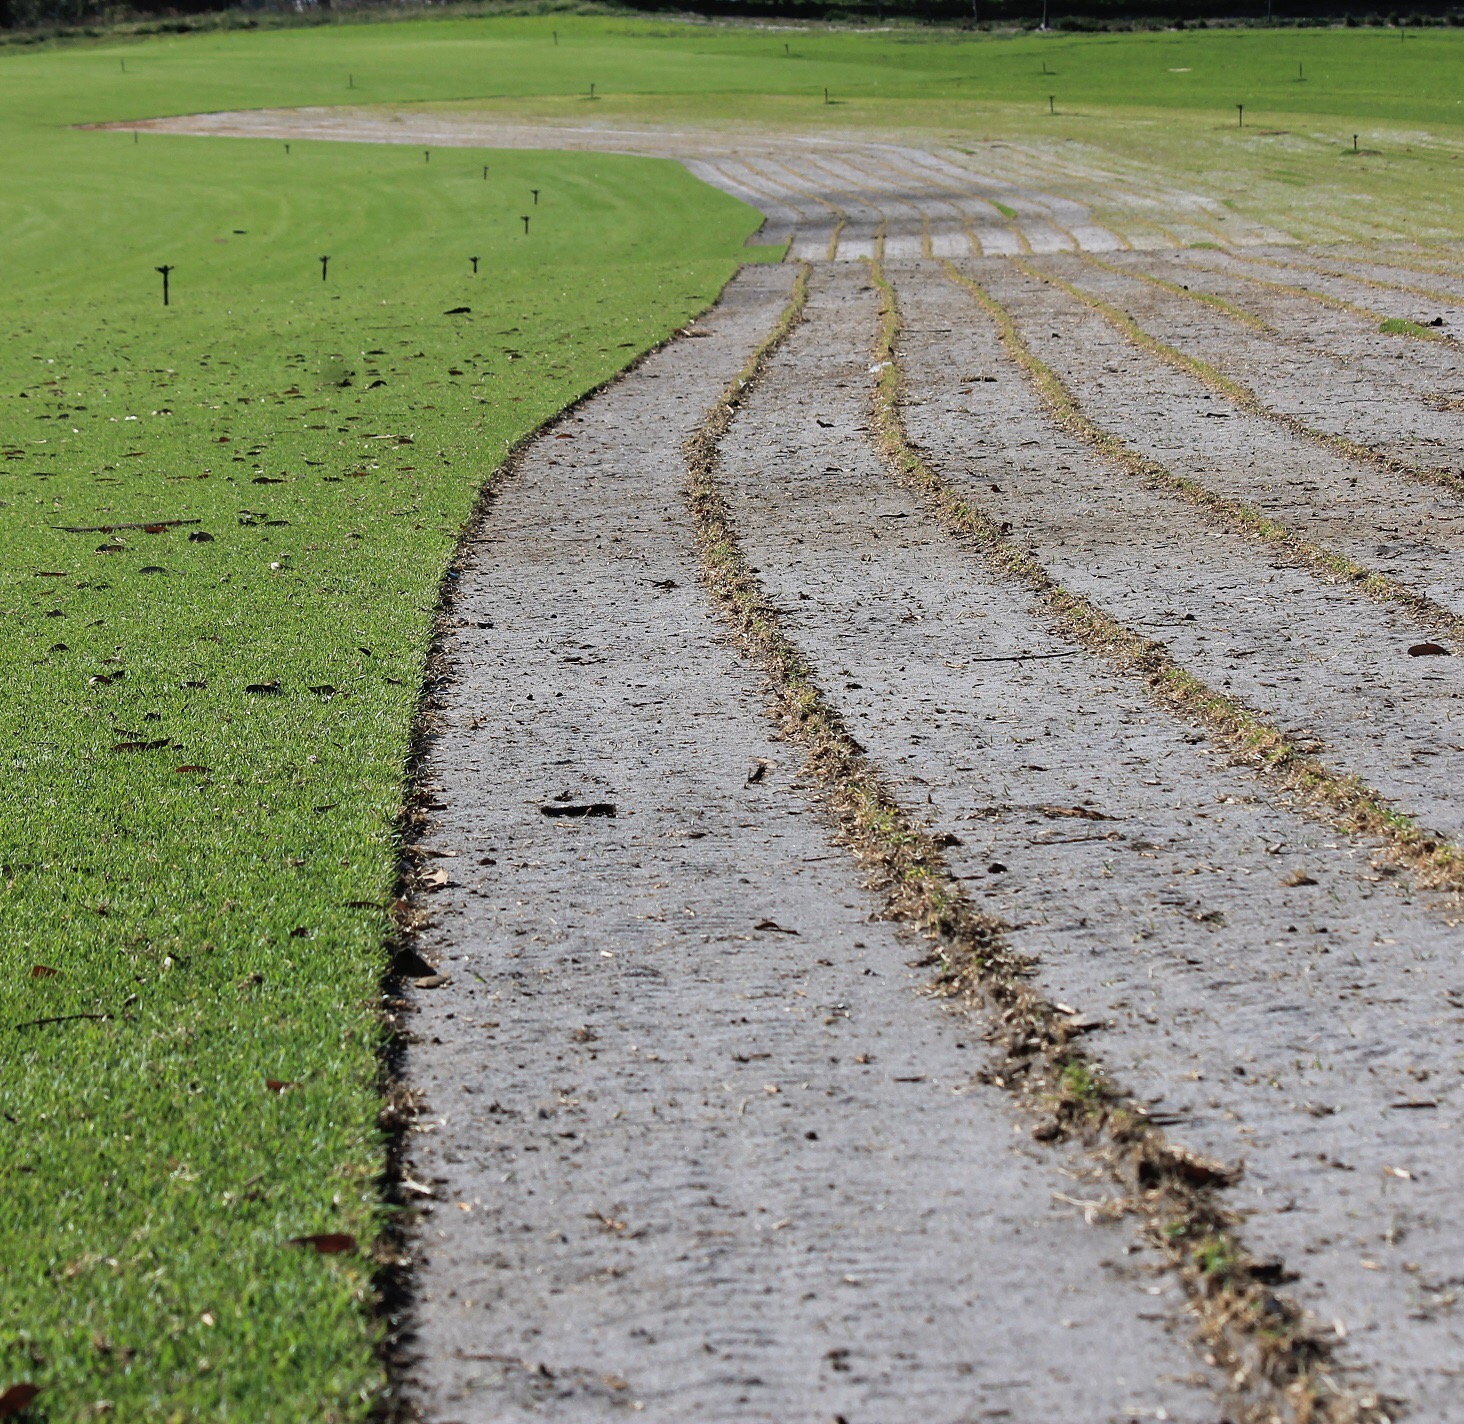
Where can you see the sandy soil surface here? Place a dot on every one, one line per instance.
(702, 1148)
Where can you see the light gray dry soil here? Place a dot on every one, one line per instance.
(701, 1147)
(702, 1144)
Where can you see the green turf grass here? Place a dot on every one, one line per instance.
(228, 922)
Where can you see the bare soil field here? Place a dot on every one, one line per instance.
(941, 862)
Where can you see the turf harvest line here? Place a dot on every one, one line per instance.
(1317, 559)
(1343, 799)
(1175, 1196)
(1296, 1364)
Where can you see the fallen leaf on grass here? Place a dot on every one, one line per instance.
(458, 311)
(17, 1398)
(774, 927)
(281, 1085)
(324, 690)
(265, 688)
(431, 981)
(152, 746)
(192, 770)
(200, 536)
(1429, 650)
(43, 971)
(325, 1243)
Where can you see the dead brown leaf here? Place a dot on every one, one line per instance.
(17, 1398)
(325, 1243)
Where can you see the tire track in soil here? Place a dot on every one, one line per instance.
(699, 1145)
(1171, 922)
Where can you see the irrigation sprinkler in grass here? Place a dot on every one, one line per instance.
(324, 263)
(164, 270)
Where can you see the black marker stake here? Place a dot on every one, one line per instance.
(164, 271)
(526, 227)
(485, 172)
(426, 155)
(474, 261)
(1052, 103)
(1240, 116)
(324, 262)
(535, 192)
(287, 150)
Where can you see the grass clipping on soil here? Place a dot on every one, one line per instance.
(1315, 558)
(1341, 798)
(1245, 399)
(1277, 1369)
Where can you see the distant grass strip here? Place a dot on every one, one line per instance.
(1245, 399)
(223, 530)
(1257, 1335)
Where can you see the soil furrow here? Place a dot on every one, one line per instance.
(1347, 285)
(1331, 510)
(1379, 429)
(1364, 366)
(1303, 666)
(698, 1147)
(1174, 924)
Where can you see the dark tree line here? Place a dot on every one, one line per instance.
(42, 17)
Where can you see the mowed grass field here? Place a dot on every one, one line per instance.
(205, 736)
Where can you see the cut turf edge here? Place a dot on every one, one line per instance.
(1277, 1369)
(393, 1305)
